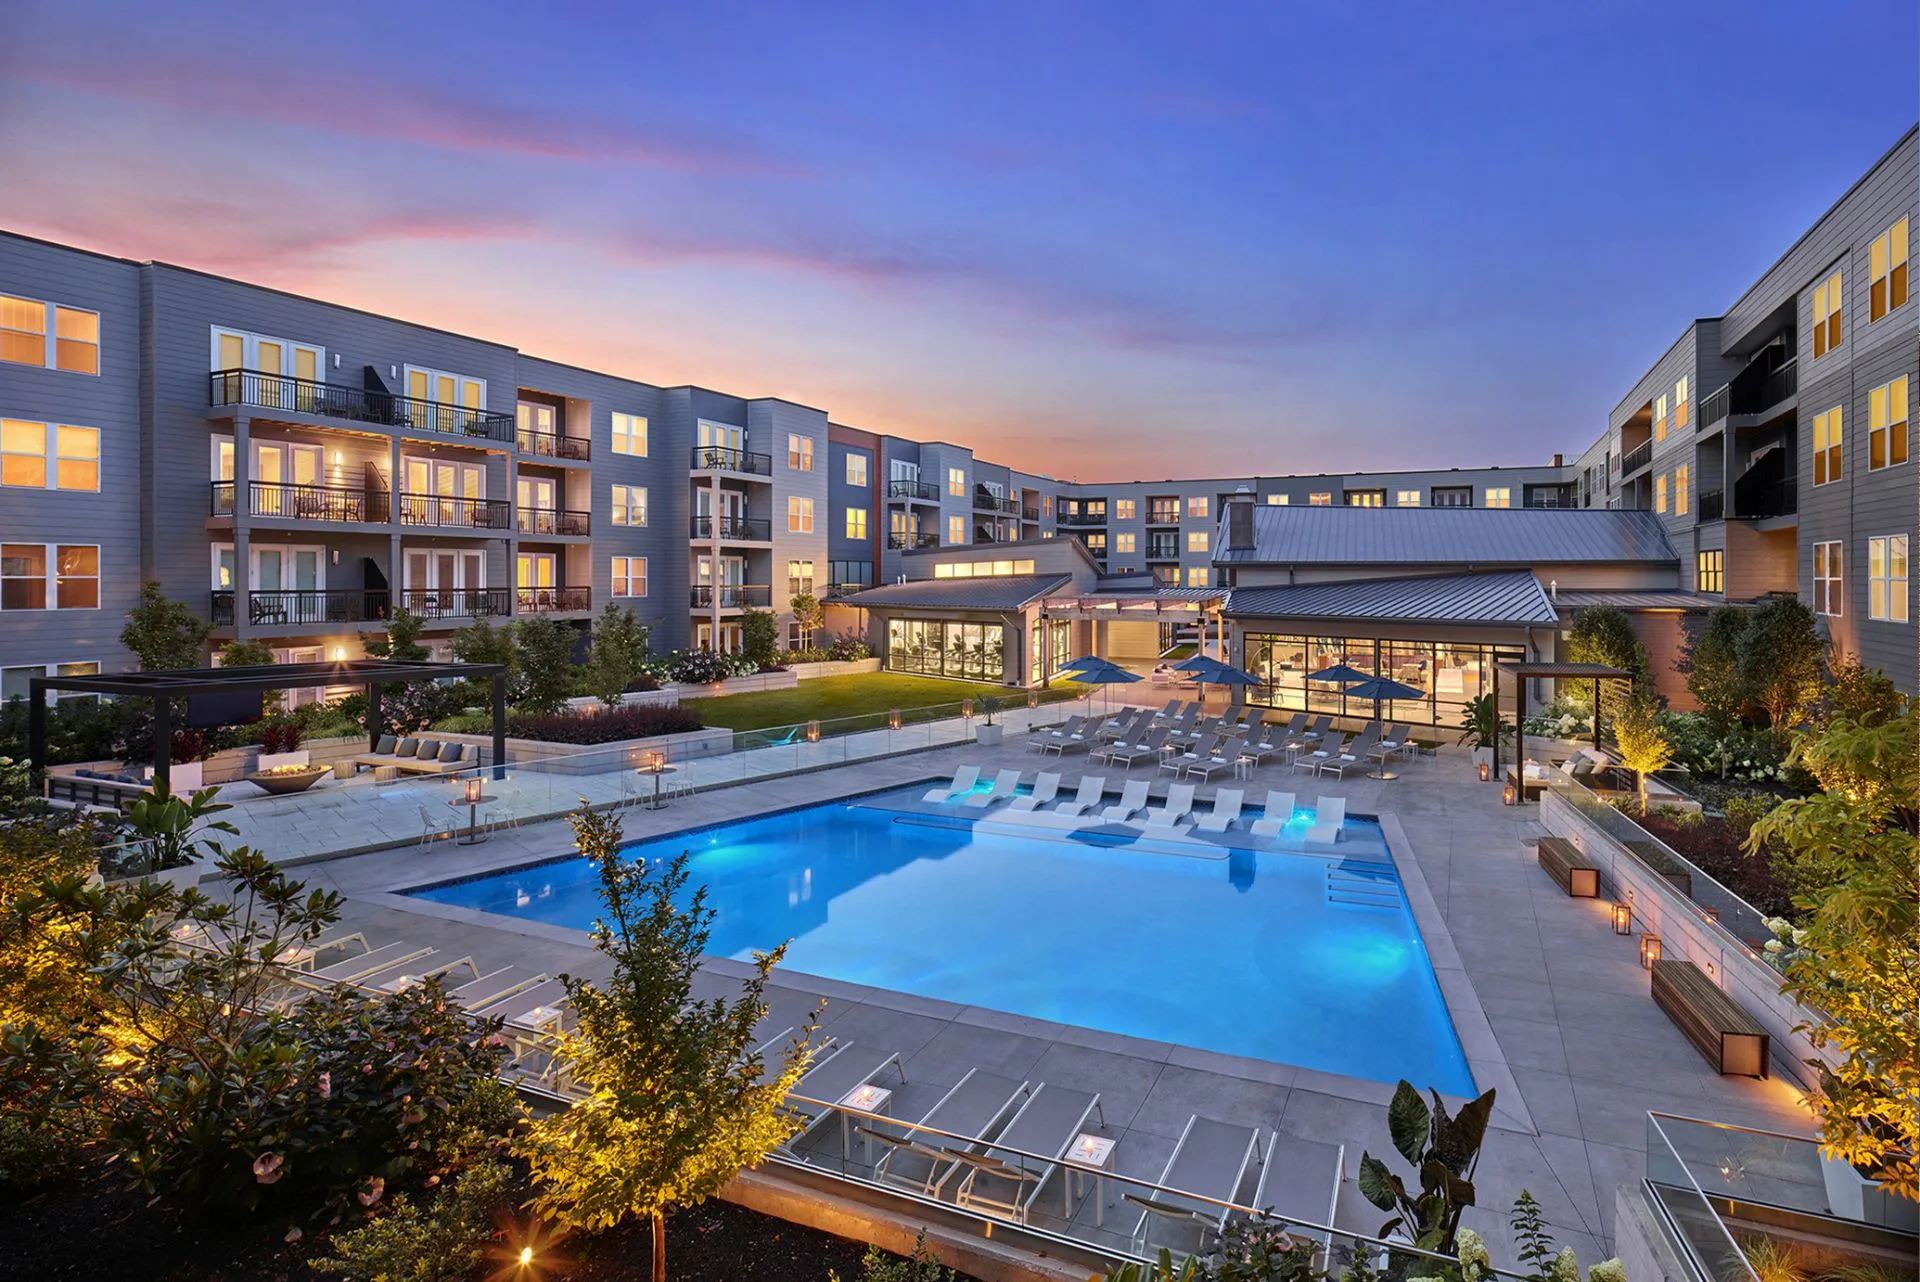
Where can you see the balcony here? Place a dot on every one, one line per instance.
(718, 458)
(1757, 396)
(255, 390)
(456, 603)
(460, 513)
(737, 529)
(554, 600)
(985, 500)
(304, 606)
(731, 596)
(553, 522)
(1717, 405)
(1636, 458)
(331, 503)
(1168, 550)
(1030, 514)
(914, 540)
(1163, 515)
(1083, 518)
(1713, 505)
(918, 491)
(554, 445)
(1764, 501)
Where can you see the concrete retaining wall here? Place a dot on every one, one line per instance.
(597, 758)
(833, 668)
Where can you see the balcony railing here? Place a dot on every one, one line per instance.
(1758, 396)
(1083, 518)
(742, 529)
(554, 600)
(731, 596)
(1636, 458)
(438, 509)
(1163, 551)
(303, 502)
(923, 491)
(897, 540)
(456, 603)
(1759, 502)
(719, 458)
(1030, 514)
(554, 445)
(259, 390)
(1163, 516)
(553, 521)
(271, 608)
(1713, 505)
(985, 500)
(1717, 405)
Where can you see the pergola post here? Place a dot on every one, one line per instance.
(1496, 717)
(162, 743)
(1596, 714)
(1520, 734)
(500, 725)
(376, 722)
(37, 733)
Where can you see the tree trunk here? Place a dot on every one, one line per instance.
(1641, 775)
(659, 1247)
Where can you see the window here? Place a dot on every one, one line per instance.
(856, 469)
(1197, 506)
(49, 456)
(1320, 500)
(1827, 595)
(629, 505)
(957, 482)
(1499, 496)
(1163, 511)
(1887, 271)
(1197, 541)
(630, 435)
(1826, 447)
(799, 578)
(1096, 541)
(1407, 498)
(1453, 496)
(1660, 417)
(1826, 315)
(48, 335)
(1660, 492)
(1046, 505)
(856, 523)
(1887, 425)
(1710, 571)
(42, 576)
(1887, 578)
(629, 576)
(956, 529)
(14, 681)
(1123, 509)
(1366, 498)
(799, 452)
(447, 394)
(981, 569)
(1680, 490)
(1198, 576)
(1278, 500)
(1682, 407)
(799, 515)
(1123, 543)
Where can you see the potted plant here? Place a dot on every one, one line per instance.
(987, 733)
(1481, 728)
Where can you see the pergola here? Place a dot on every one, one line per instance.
(1595, 672)
(222, 687)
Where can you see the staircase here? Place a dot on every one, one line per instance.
(1359, 883)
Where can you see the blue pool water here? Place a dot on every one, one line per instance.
(1278, 955)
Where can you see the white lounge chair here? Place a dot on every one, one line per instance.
(922, 1160)
(963, 780)
(412, 977)
(1226, 809)
(1179, 806)
(1004, 785)
(496, 985)
(357, 970)
(1279, 809)
(1006, 1177)
(1329, 815)
(1133, 799)
(1046, 786)
(1208, 1165)
(1092, 789)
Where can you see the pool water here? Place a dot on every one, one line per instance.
(1278, 955)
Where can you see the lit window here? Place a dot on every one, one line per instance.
(1123, 509)
(799, 578)
(1499, 496)
(956, 530)
(1887, 578)
(1827, 591)
(1826, 447)
(32, 575)
(48, 335)
(1826, 315)
(1123, 543)
(1660, 417)
(1709, 571)
(1198, 576)
(630, 435)
(1366, 498)
(856, 469)
(957, 482)
(1887, 425)
(1278, 500)
(1324, 499)
(799, 515)
(1197, 541)
(1682, 407)
(1197, 505)
(1407, 498)
(1660, 492)
(1887, 271)
(856, 523)
(1680, 490)
(629, 576)
(799, 452)
(629, 505)
(1046, 505)
(49, 456)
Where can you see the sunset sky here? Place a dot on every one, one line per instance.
(1098, 239)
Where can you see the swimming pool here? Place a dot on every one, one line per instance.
(1276, 954)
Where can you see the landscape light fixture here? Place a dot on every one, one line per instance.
(1508, 793)
(1623, 919)
(1649, 950)
(893, 718)
(1486, 771)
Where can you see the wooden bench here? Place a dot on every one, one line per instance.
(1732, 1040)
(1567, 866)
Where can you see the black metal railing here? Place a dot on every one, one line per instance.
(745, 529)
(720, 458)
(554, 600)
(303, 502)
(925, 491)
(1759, 395)
(456, 603)
(259, 390)
(1636, 458)
(1717, 404)
(1084, 518)
(897, 540)
(1161, 515)
(465, 513)
(304, 606)
(1713, 505)
(553, 521)
(1758, 502)
(731, 596)
(1163, 549)
(985, 500)
(1030, 514)
(553, 444)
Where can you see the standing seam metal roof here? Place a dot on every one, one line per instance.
(988, 592)
(1452, 536)
(1511, 597)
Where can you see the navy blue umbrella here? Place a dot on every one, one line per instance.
(1338, 672)
(1108, 675)
(1377, 689)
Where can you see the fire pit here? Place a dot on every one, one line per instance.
(282, 781)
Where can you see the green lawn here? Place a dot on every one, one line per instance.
(869, 695)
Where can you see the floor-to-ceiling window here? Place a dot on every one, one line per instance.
(937, 648)
(1448, 674)
(1049, 649)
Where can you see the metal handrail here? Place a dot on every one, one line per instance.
(746, 529)
(720, 458)
(455, 603)
(559, 522)
(554, 600)
(303, 502)
(1716, 405)
(924, 490)
(1636, 458)
(1713, 505)
(1082, 518)
(443, 509)
(732, 596)
(1705, 1272)
(553, 444)
(915, 540)
(277, 606)
(258, 389)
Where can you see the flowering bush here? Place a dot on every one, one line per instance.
(409, 709)
(629, 721)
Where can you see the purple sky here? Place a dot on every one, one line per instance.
(1101, 240)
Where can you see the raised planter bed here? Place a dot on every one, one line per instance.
(737, 685)
(665, 697)
(597, 758)
(833, 668)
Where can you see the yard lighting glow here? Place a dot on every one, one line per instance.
(893, 719)
(1486, 771)
(966, 707)
(526, 1257)
(1649, 950)
(1623, 919)
(813, 732)
(1033, 699)
(1507, 793)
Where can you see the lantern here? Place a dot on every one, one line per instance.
(893, 719)
(1509, 794)
(1623, 919)
(1649, 950)
(473, 791)
(966, 708)
(1033, 699)
(1486, 771)
(813, 732)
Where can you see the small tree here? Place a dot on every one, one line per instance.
(481, 642)
(616, 654)
(1781, 658)
(1643, 745)
(1604, 634)
(1712, 667)
(401, 642)
(163, 633)
(677, 1099)
(759, 637)
(547, 665)
(808, 617)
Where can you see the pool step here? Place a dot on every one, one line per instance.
(1358, 885)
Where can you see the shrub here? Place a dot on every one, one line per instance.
(1711, 665)
(616, 655)
(441, 1242)
(701, 667)
(163, 633)
(1604, 634)
(401, 642)
(1780, 658)
(759, 637)
(281, 736)
(409, 709)
(547, 666)
(628, 721)
(918, 1265)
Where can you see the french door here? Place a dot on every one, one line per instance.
(445, 582)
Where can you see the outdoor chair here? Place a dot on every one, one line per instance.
(1177, 763)
(1207, 1166)
(1277, 811)
(1396, 742)
(357, 970)
(1226, 809)
(1353, 757)
(1092, 789)
(1040, 741)
(831, 1079)
(1006, 1176)
(1133, 799)
(1300, 1181)
(494, 986)
(963, 780)
(1329, 816)
(1046, 786)
(1125, 754)
(1221, 758)
(1118, 728)
(1312, 761)
(1068, 736)
(1168, 713)
(1179, 806)
(413, 977)
(977, 1107)
(434, 827)
(1004, 785)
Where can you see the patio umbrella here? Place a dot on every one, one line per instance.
(1195, 662)
(1377, 689)
(1089, 663)
(1107, 676)
(1338, 672)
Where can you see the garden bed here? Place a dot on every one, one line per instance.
(1713, 843)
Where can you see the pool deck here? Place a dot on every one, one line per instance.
(1551, 1006)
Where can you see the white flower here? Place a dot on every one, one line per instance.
(1607, 1271)
(1799, 939)
(1780, 926)
(1772, 946)
(1472, 1250)
(1565, 1268)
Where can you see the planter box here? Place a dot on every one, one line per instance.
(667, 697)
(738, 685)
(599, 758)
(989, 735)
(1851, 1196)
(191, 776)
(833, 668)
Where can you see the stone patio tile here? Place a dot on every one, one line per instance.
(1122, 1081)
(1179, 1093)
(959, 1047)
(1550, 1100)
(1530, 1043)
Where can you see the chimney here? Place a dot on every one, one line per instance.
(1556, 460)
(1240, 521)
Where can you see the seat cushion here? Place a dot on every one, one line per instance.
(406, 748)
(428, 750)
(451, 751)
(385, 746)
